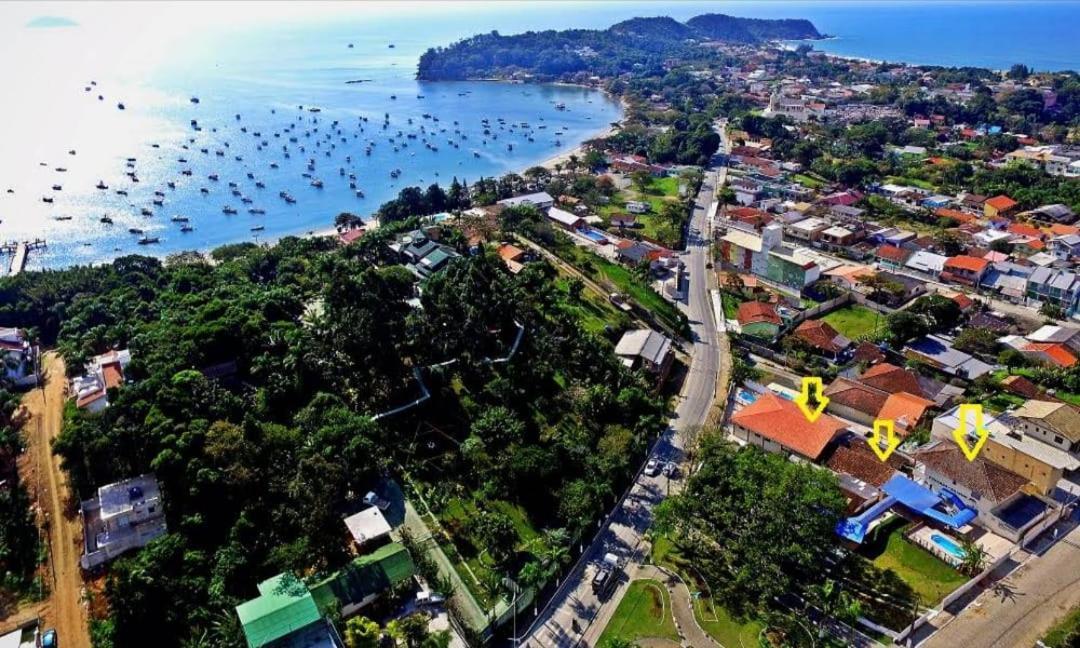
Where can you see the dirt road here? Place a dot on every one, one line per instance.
(64, 609)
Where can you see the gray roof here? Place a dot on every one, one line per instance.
(644, 343)
(539, 198)
(952, 361)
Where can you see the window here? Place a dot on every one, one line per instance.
(1058, 439)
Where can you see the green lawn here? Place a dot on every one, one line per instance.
(643, 613)
(1001, 374)
(1065, 633)
(929, 576)
(469, 557)
(911, 182)
(730, 304)
(623, 280)
(855, 321)
(593, 311)
(657, 193)
(807, 181)
(714, 619)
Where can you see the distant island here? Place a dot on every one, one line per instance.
(638, 44)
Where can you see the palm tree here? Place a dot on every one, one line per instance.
(974, 557)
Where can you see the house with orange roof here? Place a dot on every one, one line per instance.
(1023, 229)
(776, 424)
(905, 410)
(103, 373)
(759, 319)
(999, 207)
(891, 257)
(961, 218)
(512, 256)
(823, 338)
(964, 269)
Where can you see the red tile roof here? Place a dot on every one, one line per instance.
(819, 334)
(1001, 203)
(980, 476)
(891, 379)
(781, 420)
(892, 253)
(905, 409)
(867, 352)
(963, 301)
(857, 396)
(1023, 229)
(858, 460)
(114, 376)
(969, 263)
(955, 214)
(1059, 354)
(752, 312)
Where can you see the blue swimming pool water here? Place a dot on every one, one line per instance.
(594, 235)
(948, 545)
(746, 396)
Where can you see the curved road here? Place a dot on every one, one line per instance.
(575, 616)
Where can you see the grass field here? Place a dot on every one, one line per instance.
(1065, 633)
(855, 321)
(807, 181)
(657, 193)
(930, 577)
(644, 612)
(594, 312)
(714, 619)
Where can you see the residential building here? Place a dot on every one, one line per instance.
(966, 270)
(759, 319)
(541, 200)
(939, 353)
(421, 254)
(285, 615)
(513, 256)
(103, 373)
(854, 401)
(1064, 247)
(808, 229)
(1058, 287)
(776, 424)
(368, 527)
(1053, 423)
(637, 207)
(926, 262)
(995, 492)
(999, 207)
(364, 580)
(565, 219)
(890, 257)
(822, 337)
(647, 350)
(764, 254)
(1055, 214)
(124, 515)
(839, 237)
(18, 358)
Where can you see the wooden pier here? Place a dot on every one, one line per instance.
(20, 253)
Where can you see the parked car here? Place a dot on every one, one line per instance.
(49, 639)
(671, 470)
(371, 499)
(652, 468)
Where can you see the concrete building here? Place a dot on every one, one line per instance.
(123, 516)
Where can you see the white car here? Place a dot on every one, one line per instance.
(652, 468)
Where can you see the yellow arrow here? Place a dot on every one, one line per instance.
(888, 426)
(960, 434)
(811, 386)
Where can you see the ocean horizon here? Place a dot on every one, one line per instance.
(257, 71)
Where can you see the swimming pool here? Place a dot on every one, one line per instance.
(745, 396)
(948, 545)
(594, 236)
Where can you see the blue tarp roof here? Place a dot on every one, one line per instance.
(923, 500)
(918, 498)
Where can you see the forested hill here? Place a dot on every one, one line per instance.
(640, 44)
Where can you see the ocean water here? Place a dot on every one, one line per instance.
(264, 61)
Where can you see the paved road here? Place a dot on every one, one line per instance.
(575, 615)
(1025, 604)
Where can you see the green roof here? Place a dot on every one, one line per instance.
(369, 575)
(283, 606)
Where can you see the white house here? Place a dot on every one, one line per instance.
(123, 516)
(19, 358)
(102, 373)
